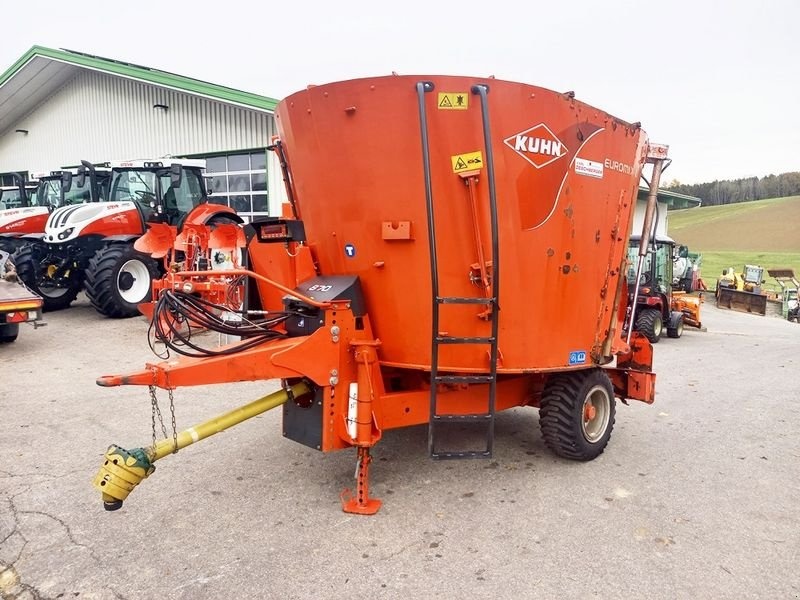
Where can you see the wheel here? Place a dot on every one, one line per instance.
(577, 412)
(650, 323)
(119, 279)
(8, 332)
(8, 244)
(37, 274)
(677, 331)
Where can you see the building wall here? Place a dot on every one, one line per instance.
(99, 117)
(638, 218)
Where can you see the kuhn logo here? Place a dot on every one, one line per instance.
(538, 145)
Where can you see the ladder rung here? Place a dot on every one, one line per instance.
(464, 379)
(468, 454)
(462, 300)
(463, 418)
(448, 339)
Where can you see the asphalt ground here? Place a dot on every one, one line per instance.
(696, 496)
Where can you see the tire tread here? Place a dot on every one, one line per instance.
(561, 402)
(101, 277)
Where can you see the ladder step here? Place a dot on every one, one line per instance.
(464, 379)
(462, 300)
(456, 455)
(463, 418)
(447, 339)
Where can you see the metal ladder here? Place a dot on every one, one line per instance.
(487, 418)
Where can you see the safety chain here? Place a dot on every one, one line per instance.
(156, 412)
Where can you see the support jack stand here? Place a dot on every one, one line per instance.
(361, 503)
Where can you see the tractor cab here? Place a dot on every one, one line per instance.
(162, 193)
(654, 299)
(64, 188)
(18, 195)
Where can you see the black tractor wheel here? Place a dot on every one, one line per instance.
(9, 332)
(119, 279)
(34, 272)
(650, 323)
(577, 412)
(8, 244)
(677, 331)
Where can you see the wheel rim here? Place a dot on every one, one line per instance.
(133, 281)
(596, 413)
(658, 326)
(680, 328)
(48, 287)
(51, 291)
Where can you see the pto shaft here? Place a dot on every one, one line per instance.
(122, 469)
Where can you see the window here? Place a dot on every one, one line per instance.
(7, 179)
(48, 193)
(239, 181)
(10, 199)
(185, 197)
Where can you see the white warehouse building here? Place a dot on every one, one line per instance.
(58, 107)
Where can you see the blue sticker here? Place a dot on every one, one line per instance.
(577, 357)
(349, 250)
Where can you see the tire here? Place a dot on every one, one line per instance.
(8, 332)
(650, 323)
(33, 273)
(564, 419)
(677, 331)
(8, 244)
(119, 279)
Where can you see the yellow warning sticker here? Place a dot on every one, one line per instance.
(467, 162)
(453, 101)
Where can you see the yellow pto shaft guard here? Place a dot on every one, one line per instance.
(122, 469)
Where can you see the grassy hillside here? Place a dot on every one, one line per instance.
(764, 232)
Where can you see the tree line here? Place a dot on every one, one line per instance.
(731, 191)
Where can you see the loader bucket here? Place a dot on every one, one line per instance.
(741, 301)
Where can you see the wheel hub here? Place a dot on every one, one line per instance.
(133, 281)
(126, 281)
(596, 414)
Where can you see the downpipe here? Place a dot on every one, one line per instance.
(644, 242)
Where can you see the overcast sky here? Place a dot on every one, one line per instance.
(717, 81)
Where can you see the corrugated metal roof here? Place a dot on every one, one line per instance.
(41, 71)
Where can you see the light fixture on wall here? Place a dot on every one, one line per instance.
(163, 107)
(21, 131)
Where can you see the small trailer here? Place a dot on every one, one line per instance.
(17, 303)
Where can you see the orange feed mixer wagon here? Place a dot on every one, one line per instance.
(456, 248)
